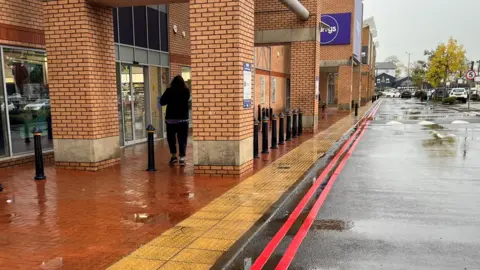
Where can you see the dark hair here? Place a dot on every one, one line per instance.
(178, 83)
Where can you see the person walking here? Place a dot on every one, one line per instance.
(177, 98)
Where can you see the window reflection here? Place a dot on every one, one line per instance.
(28, 99)
(3, 119)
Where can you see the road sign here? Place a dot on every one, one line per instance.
(471, 75)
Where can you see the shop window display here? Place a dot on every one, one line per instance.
(27, 98)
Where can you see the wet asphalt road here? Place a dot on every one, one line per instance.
(408, 197)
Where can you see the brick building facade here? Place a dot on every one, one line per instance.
(87, 118)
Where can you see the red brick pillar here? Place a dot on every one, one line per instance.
(82, 81)
(221, 42)
(305, 71)
(345, 87)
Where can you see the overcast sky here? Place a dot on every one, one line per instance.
(416, 25)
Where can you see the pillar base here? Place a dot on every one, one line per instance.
(345, 107)
(87, 166)
(223, 158)
(224, 171)
(90, 155)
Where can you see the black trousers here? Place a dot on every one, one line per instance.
(177, 131)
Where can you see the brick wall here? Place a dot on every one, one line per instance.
(79, 46)
(303, 76)
(344, 87)
(27, 159)
(271, 14)
(21, 23)
(338, 52)
(179, 15)
(221, 41)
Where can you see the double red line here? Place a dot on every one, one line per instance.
(298, 239)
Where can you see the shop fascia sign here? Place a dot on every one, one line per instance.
(335, 29)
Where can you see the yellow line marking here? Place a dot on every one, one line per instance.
(198, 241)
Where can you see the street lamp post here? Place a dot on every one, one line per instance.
(408, 67)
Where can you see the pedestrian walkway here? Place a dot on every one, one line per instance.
(85, 220)
(198, 241)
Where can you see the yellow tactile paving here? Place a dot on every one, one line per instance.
(184, 266)
(134, 264)
(198, 241)
(191, 255)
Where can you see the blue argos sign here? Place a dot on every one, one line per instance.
(339, 32)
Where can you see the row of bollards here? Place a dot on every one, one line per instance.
(292, 129)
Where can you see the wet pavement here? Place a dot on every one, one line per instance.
(408, 197)
(84, 220)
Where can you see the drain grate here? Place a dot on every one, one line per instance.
(284, 166)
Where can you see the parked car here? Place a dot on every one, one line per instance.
(406, 94)
(38, 104)
(396, 94)
(460, 94)
(10, 107)
(389, 94)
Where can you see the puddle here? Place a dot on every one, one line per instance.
(146, 218)
(332, 225)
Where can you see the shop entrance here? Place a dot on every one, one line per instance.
(331, 88)
(132, 104)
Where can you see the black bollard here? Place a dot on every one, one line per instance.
(274, 131)
(353, 104)
(289, 126)
(373, 99)
(356, 109)
(295, 124)
(281, 131)
(37, 140)
(265, 136)
(255, 138)
(1, 188)
(151, 149)
(259, 113)
(323, 107)
(270, 113)
(300, 122)
(49, 127)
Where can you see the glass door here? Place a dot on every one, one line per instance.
(139, 104)
(132, 107)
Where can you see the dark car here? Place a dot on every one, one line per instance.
(406, 94)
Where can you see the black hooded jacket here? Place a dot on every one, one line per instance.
(177, 99)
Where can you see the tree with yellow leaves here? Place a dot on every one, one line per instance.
(446, 62)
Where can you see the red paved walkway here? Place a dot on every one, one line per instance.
(83, 220)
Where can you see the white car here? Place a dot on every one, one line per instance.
(10, 107)
(37, 105)
(389, 94)
(460, 94)
(396, 94)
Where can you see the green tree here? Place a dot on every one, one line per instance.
(445, 62)
(419, 73)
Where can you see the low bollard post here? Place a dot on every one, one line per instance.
(270, 113)
(274, 131)
(255, 138)
(300, 122)
(281, 129)
(263, 115)
(373, 99)
(37, 140)
(323, 107)
(295, 124)
(151, 149)
(353, 104)
(289, 125)
(265, 136)
(356, 109)
(259, 113)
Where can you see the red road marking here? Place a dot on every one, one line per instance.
(272, 245)
(298, 239)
